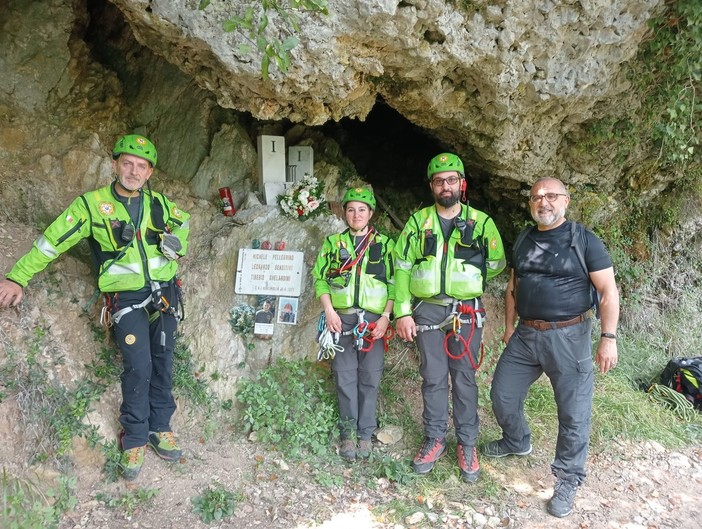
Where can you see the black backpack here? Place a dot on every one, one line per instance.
(684, 375)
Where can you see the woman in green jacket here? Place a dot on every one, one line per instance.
(354, 282)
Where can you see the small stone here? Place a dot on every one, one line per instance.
(415, 518)
(389, 435)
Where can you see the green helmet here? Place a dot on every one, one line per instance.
(445, 162)
(136, 145)
(359, 194)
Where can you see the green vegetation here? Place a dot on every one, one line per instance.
(129, 501)
(291, 406)
(250, 20)
(216, 503)
(666, 80)
(672, 63)
(24, 504)
(52, 412)
(54, 415)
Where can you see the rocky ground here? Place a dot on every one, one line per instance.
(630, 486)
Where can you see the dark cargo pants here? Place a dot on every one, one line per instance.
(435, 368)
(565, 355)
(357, 376)
(146, 339)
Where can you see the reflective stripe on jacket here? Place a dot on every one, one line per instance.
(99, 216)
(369, 283)
(426, 265)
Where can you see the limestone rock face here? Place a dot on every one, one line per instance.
(502, 80)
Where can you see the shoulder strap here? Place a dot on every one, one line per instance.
(518, 242)
(577, 244)
(577, 234)
(92, 244)
(157, 212)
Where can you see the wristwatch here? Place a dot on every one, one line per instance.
(608, 335)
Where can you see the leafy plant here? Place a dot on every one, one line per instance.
(290, 405)
(251, 22)
(676, 50)
(186, 379)
(130, 501)
(394, 469)
(23, 505)
(215, 504)
(53, 413)
(112, 455)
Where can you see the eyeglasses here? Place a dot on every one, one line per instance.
(551, 197)
(439, 182)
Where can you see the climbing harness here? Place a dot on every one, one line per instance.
(328, 341)
(157, 299)
(362, 332)
(461, 313)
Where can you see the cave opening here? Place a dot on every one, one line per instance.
(387, 150)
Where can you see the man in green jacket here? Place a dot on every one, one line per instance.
(136, 237)
(443, 257)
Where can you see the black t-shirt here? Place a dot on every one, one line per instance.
(132, 204)
(551, 283)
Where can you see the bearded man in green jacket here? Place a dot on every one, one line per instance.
(443, 258)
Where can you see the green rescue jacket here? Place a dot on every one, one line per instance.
(368, 284)
(99, 216)
(427, 266)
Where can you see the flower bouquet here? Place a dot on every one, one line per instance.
(304, 200)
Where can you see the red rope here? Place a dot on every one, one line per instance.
(465, 309)
(367, 338)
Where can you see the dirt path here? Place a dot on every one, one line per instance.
(633, 486)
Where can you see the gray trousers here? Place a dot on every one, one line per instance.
(435, 368)
(565, 355)
(357, 376)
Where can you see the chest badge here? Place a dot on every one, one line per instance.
(106, 208)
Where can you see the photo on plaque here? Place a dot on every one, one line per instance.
(287, 310)
(264, 317)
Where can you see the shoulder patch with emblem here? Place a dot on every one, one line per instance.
(493, 244)
(176, 212)
(130, 339)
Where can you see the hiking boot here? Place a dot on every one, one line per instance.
(131, 462)
(497, 449)
(561, 504)
(468, 463)
(164, 444)
(429, 453)
(365, 447)
(348, 449)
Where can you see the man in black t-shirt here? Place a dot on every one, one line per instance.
(550, 291)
